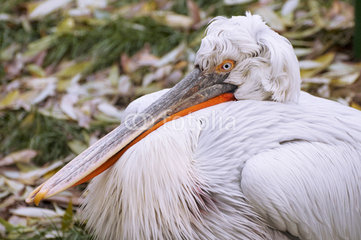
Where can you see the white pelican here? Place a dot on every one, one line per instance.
(277, 164)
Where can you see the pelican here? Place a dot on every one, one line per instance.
(233, 151)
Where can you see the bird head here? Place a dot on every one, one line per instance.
(240, 58)
(260, 62)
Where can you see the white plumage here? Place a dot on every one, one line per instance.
(277, 164)
(293, 168)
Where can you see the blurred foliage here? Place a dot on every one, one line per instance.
(68, 71)
(76, 232)
(357, 37)
(47, 135)
(105, 43)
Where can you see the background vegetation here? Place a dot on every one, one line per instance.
(69, 68)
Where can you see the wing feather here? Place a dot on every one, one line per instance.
(309, 189)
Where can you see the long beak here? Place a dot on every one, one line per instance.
(196, 88)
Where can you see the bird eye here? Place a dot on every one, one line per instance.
(225, 66)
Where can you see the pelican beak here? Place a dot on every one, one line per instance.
(194, 90)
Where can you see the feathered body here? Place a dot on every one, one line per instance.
(237, 171)
(276, 164)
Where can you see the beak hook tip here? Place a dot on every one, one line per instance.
(37, 195)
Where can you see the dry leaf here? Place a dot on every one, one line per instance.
(236, 2)
(14, 186)
(91, 4)
(271, 18)
(309, 64)
(67, 105)
(16, 221)
(157, 75)
(110, 110)
(46, 7)
(34, 212)
(324, 60)
(171, 56)
(172, 19)
(31, 176)
(20, 156)
(10, 100)
(345, 80)
(289, 7)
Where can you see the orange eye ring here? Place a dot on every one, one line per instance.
(226, 66)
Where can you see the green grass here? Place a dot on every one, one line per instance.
(76, 232)
(48, 136)
(104, 44)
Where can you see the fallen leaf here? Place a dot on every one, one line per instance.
(172, 19)
(236, 2)
(64, 198)
(38, 46)
(137, 9)
(300, 52)
(271, 18)
(53, 111)
(20, 156)
(171, 56)
(339, 69)
(14, 186)
(340, 16)
(77, 146)
(157, 75)
(54, 234)
(67, 105)
(31, 176)
(73, 69)
(140, 59)
(79, 12)
(91, 4)
(16, 221)
(66, 26)
(289, 7)
(34, 212)
(35, 70)
(14, 68)
(10, 99)
(9, 52)
(174, 77)
(113, 75)
(355, 105)
(317, 80)
(9, 201)
(309, 64)
(315, 12)
(324, 60)
(345, 79)
(324, 91)
(302, 34)
(44, 87)
(110, 110)
(46, 7)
